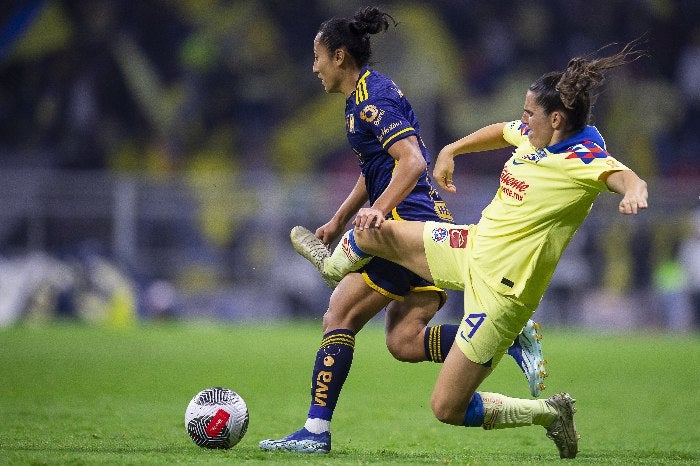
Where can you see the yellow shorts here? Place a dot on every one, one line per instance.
(491, 320)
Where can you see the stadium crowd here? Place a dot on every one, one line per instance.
(185, 89)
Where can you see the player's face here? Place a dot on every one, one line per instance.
(534, 116)
(324, 67)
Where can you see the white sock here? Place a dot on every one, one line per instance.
(317, 425)
(345, 258)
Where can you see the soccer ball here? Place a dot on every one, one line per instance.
(216, 418)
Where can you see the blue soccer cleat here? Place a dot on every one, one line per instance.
(527, 352)
(301, 441)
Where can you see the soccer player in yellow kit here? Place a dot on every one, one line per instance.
(504, 262)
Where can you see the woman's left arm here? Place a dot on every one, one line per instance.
(410, 166)
(632, 187)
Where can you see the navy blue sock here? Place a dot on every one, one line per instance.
(474, 417)
(333, 361)
(438, 341)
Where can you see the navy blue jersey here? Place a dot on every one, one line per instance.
(377, 115)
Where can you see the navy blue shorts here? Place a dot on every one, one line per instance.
(396, 282)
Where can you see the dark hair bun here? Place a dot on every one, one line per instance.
(369, 20)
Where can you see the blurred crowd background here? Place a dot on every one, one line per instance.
(154, 154)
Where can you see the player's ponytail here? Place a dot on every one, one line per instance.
(572, 91)
(353, 34)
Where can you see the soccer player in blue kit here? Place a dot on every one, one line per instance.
(504, 263)
(384, 132)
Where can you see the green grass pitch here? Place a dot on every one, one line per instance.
(73, 394)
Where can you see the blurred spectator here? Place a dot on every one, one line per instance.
(220, 95)
(671, 287)
(689, 257)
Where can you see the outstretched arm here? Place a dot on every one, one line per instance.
(487, 138)
(632, 187)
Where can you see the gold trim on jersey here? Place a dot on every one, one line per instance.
(410, 128)
(361, 93)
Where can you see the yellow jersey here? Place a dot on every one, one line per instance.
(544, 196)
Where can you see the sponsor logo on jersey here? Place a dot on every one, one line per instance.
(370, 113)
(512, 186)
(612, 163)
(458, 238)
(387, 129)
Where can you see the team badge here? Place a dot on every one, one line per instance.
(351, 123)
(439, 234)
(536, 156)
(586, 152)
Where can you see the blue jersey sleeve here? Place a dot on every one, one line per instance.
(386, 120)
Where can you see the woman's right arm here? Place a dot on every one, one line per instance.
(487, 138)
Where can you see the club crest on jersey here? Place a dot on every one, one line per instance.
(586, 152)
(350, 123)
(538, 155)
(439, 234)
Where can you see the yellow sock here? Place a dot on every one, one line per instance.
(501, 411)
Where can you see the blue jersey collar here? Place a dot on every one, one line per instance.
(589, 133)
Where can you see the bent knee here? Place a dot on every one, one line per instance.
(446, 413)
(405, 348)
(403, 354)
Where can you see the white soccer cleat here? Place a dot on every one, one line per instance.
(563, 430)
(313, 250)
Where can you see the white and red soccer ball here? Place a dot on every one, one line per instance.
(216, 418)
